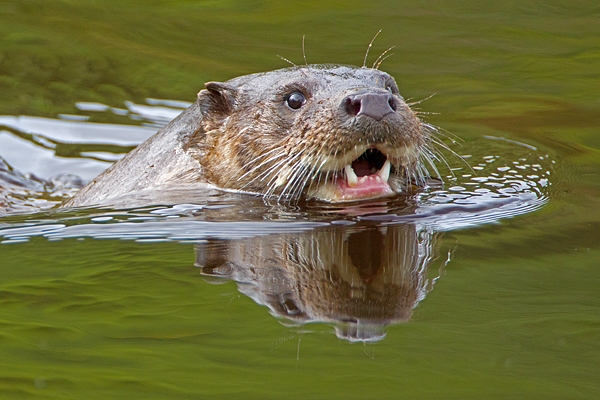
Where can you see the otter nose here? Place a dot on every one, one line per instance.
(374, 105)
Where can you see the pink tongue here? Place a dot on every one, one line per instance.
(361, 168)
(369, 186)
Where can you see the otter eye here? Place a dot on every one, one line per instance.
(295, 100)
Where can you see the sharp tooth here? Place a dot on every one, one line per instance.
(384, 172)
(351, 177)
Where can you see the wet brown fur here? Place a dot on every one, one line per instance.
(249, 139)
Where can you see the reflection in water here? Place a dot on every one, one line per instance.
(359, 278)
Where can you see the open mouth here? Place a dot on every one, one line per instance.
(367, 176)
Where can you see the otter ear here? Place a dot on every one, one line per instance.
(218, 99)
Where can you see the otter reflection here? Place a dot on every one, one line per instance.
(360, 278)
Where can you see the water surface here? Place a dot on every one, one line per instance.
(484, 288)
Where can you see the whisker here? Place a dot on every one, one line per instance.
(442, 132)
(300, 184)
(264, 175)
(382, 58)
(429, 157)
(287, 61)
(437, 143)
(288, 161)
(314, 173)
(276, 156)
(369, 48)
(304, 51)
(297, 170)
(420, 101)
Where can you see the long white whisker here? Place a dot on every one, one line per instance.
(254, 168)
(299, 167)
(288, 161)
(290, 182)
(382, 58)
(314, 172)
(369, 48)
(427, 155)
(260, 177)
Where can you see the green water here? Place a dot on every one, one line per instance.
(514, 314)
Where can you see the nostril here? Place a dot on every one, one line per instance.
(353, 105)
(392, 103)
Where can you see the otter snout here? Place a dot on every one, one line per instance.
(373, 105)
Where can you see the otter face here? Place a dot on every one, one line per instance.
(334, 133)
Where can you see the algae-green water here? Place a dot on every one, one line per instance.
(101, 304)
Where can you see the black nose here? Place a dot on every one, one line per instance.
(374, 105)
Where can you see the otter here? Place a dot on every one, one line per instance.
(332, 133)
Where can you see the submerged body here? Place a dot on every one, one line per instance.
(329, 132)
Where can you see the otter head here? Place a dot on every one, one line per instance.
(334, 133)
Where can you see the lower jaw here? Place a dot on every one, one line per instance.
(338, 191)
